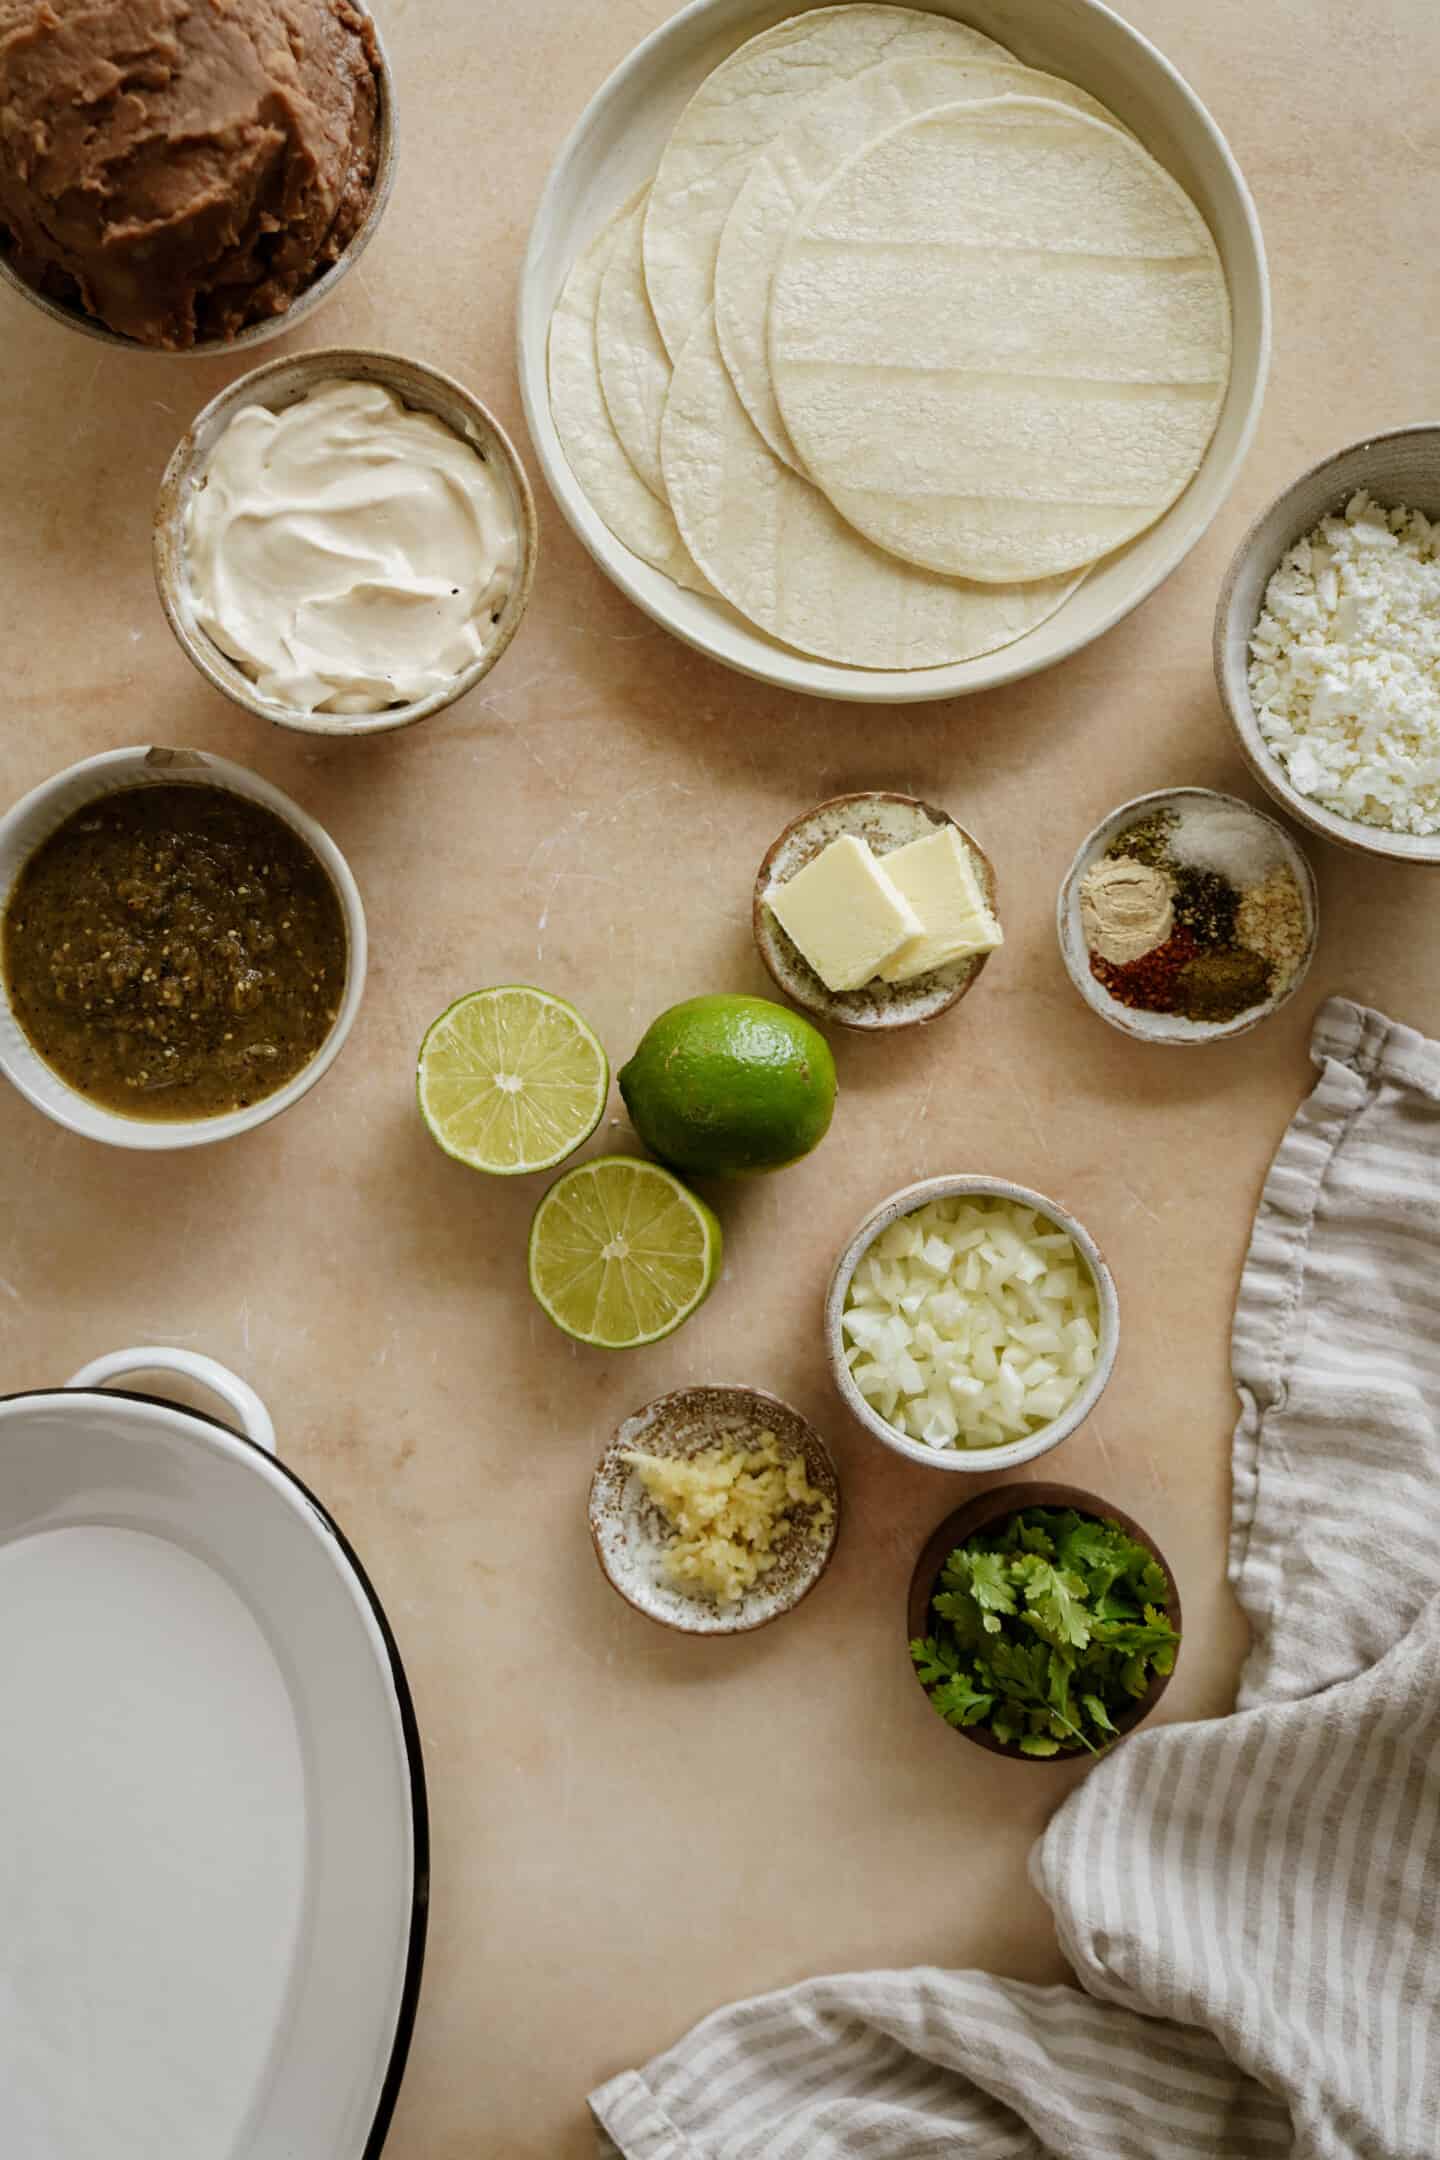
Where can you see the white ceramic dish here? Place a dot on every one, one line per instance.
(615, 146)
(276, 385)
(1171, 1027)
(36, 816)
(971, 1462)
(305, 303)
(1402, 466)
(213, 1841)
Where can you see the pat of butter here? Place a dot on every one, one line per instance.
(937, 876)
(844, 914)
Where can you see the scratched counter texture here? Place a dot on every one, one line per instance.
(628, 1828)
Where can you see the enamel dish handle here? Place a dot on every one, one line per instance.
(253, 1417)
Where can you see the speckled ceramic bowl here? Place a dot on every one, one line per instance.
(1401, 466)
(990, 1508)
(1170, 1027)
(983, 1461)
(280, 383)
(887, 822)
(630, 1536)
(303, 305)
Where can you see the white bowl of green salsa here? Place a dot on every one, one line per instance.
(182, 949)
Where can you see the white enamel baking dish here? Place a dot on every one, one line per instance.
(213, 1844)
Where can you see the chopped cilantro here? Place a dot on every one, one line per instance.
(1047, 1628)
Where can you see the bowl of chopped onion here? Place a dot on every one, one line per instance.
(971, 1324)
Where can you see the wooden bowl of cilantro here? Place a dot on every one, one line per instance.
(1043, 1622)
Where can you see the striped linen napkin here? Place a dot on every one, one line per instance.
(1250, 1905)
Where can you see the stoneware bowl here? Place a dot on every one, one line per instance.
(629, 1536)
(38, 814)
(1402, 466)
(992, 1507)
(1171, 1027)
(971, 1462)
(887, 822)
(613, 149)
(276, 385)
(304, 304)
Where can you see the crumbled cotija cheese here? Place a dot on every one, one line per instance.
(729, 1509)
(1345, 666)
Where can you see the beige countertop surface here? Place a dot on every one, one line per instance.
(630, 1828)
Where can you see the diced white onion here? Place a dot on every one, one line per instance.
(971, 1322)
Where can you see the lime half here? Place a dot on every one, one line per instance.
(512, 1080)
(621, 1253)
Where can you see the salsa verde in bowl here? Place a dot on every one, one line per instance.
(182, 949)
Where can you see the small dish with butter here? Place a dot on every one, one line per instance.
(714, 1510)
(875, 911)
(344, 542)
(183, 949)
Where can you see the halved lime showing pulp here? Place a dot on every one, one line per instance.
(512, 1080)
(621, 1252)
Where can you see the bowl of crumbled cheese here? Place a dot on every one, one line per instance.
(971, 1324)
(1327, 646)
(715, 1509)
(1188, 916)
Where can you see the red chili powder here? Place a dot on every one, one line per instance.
(1151, 983)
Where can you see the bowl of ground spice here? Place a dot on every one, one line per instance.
(1187, 916)
(182, 949)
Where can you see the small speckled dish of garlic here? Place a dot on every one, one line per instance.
(972, 1322)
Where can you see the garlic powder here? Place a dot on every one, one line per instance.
(1345, 666)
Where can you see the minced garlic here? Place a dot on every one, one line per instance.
(729, 1510)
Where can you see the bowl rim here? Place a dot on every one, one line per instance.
(1232, 682)
(115, 772)
(306, 301)
(817, 1454)
(990, 1507)
(971, 1462)
(827, 1009)
(308, 369)
(1120, 1016)
(772, 662)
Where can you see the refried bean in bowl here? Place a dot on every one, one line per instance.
(181, 950)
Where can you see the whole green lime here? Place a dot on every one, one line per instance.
(721, 1085)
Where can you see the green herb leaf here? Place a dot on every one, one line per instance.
(1056, 1599)
(1097, 1713)
(1046, 1629)
(934, 1661)
(989, 1584)
(960, 1703)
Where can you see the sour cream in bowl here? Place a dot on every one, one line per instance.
(345, 542)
